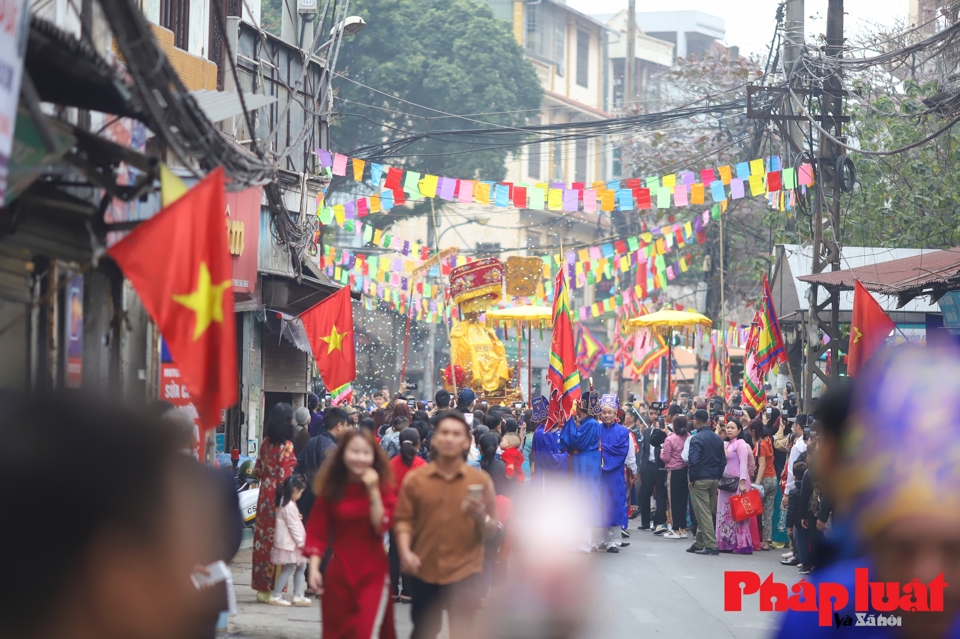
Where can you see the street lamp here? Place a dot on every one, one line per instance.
(350, 25)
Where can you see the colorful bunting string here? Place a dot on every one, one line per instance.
(760, 177)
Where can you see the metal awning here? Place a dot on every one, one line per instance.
(930, 273)
(221, 105)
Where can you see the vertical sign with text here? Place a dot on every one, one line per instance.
(74, 321)
(173, 390)
(14, 20)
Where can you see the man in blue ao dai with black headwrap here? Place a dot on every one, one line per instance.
(550, 463)
(615, 445)
(581, 437)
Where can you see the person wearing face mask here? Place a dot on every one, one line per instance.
(356, 497)
(407, 460)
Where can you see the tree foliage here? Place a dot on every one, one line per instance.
(706, 142)
(911, 199)
(452, 56)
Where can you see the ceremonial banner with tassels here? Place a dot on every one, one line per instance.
(589, 351)
(753, 392)
(563, 376)
(716, 379)
(769, 347)
(649, 348)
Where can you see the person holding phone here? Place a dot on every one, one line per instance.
(445, 512)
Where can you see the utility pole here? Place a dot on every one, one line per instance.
(429, 366)
(630, 63)
(826, 193)
(826, 250)
(793, 43)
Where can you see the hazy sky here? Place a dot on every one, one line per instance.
(750, 22)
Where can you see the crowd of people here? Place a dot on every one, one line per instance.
(868, 483)
(367, 471)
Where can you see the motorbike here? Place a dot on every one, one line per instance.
(248, 491)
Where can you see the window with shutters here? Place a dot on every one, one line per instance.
(583, 58)
(557, 161)
(175, 15)
(580, 165)
(534, 159)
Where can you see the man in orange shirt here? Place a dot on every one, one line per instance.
(446, 510)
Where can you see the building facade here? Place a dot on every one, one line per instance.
(71, 320)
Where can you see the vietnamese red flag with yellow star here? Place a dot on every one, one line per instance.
(179, 263)
(869, 328)
(329, 325)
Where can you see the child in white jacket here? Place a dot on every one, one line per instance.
(288, 539)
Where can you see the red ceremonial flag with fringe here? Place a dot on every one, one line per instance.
(564, 375)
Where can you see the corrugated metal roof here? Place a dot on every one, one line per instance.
(799, 261)
(914, 274)
(220, 105)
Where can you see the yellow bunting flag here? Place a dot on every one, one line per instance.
(555, 199)
(171, 187)
(358, 169)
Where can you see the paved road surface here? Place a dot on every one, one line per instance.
(652, 588)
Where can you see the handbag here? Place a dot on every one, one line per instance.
(747, 505)
(729, 483)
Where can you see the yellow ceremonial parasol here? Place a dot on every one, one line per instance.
(665, 322)
(522, 317)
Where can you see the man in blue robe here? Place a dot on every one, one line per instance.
(581, 437)
(549, 461)
(615, 445)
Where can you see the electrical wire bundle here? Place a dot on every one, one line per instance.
(173, 114)
(507, 137)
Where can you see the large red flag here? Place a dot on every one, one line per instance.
(563, 376)
(179, 263)
(329, 325)
(869, 328)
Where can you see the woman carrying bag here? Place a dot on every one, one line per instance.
(733, 536)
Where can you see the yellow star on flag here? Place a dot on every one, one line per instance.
(334, 340)
(859, 334)
(206, 301)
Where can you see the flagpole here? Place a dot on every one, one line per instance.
(406, 338)
(723, 323)
(443, 297)
(529, 366)
(519, 356)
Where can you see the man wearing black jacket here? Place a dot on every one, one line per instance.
(656, 441)
(336, 422)
(707, 461)
(647, 469)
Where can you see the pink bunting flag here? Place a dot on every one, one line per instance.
(590, 200)
(466, 191)
(680, 195)
(339, 164)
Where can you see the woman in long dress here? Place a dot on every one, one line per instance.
(275, 464)
(356, 498)
(734, 536)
